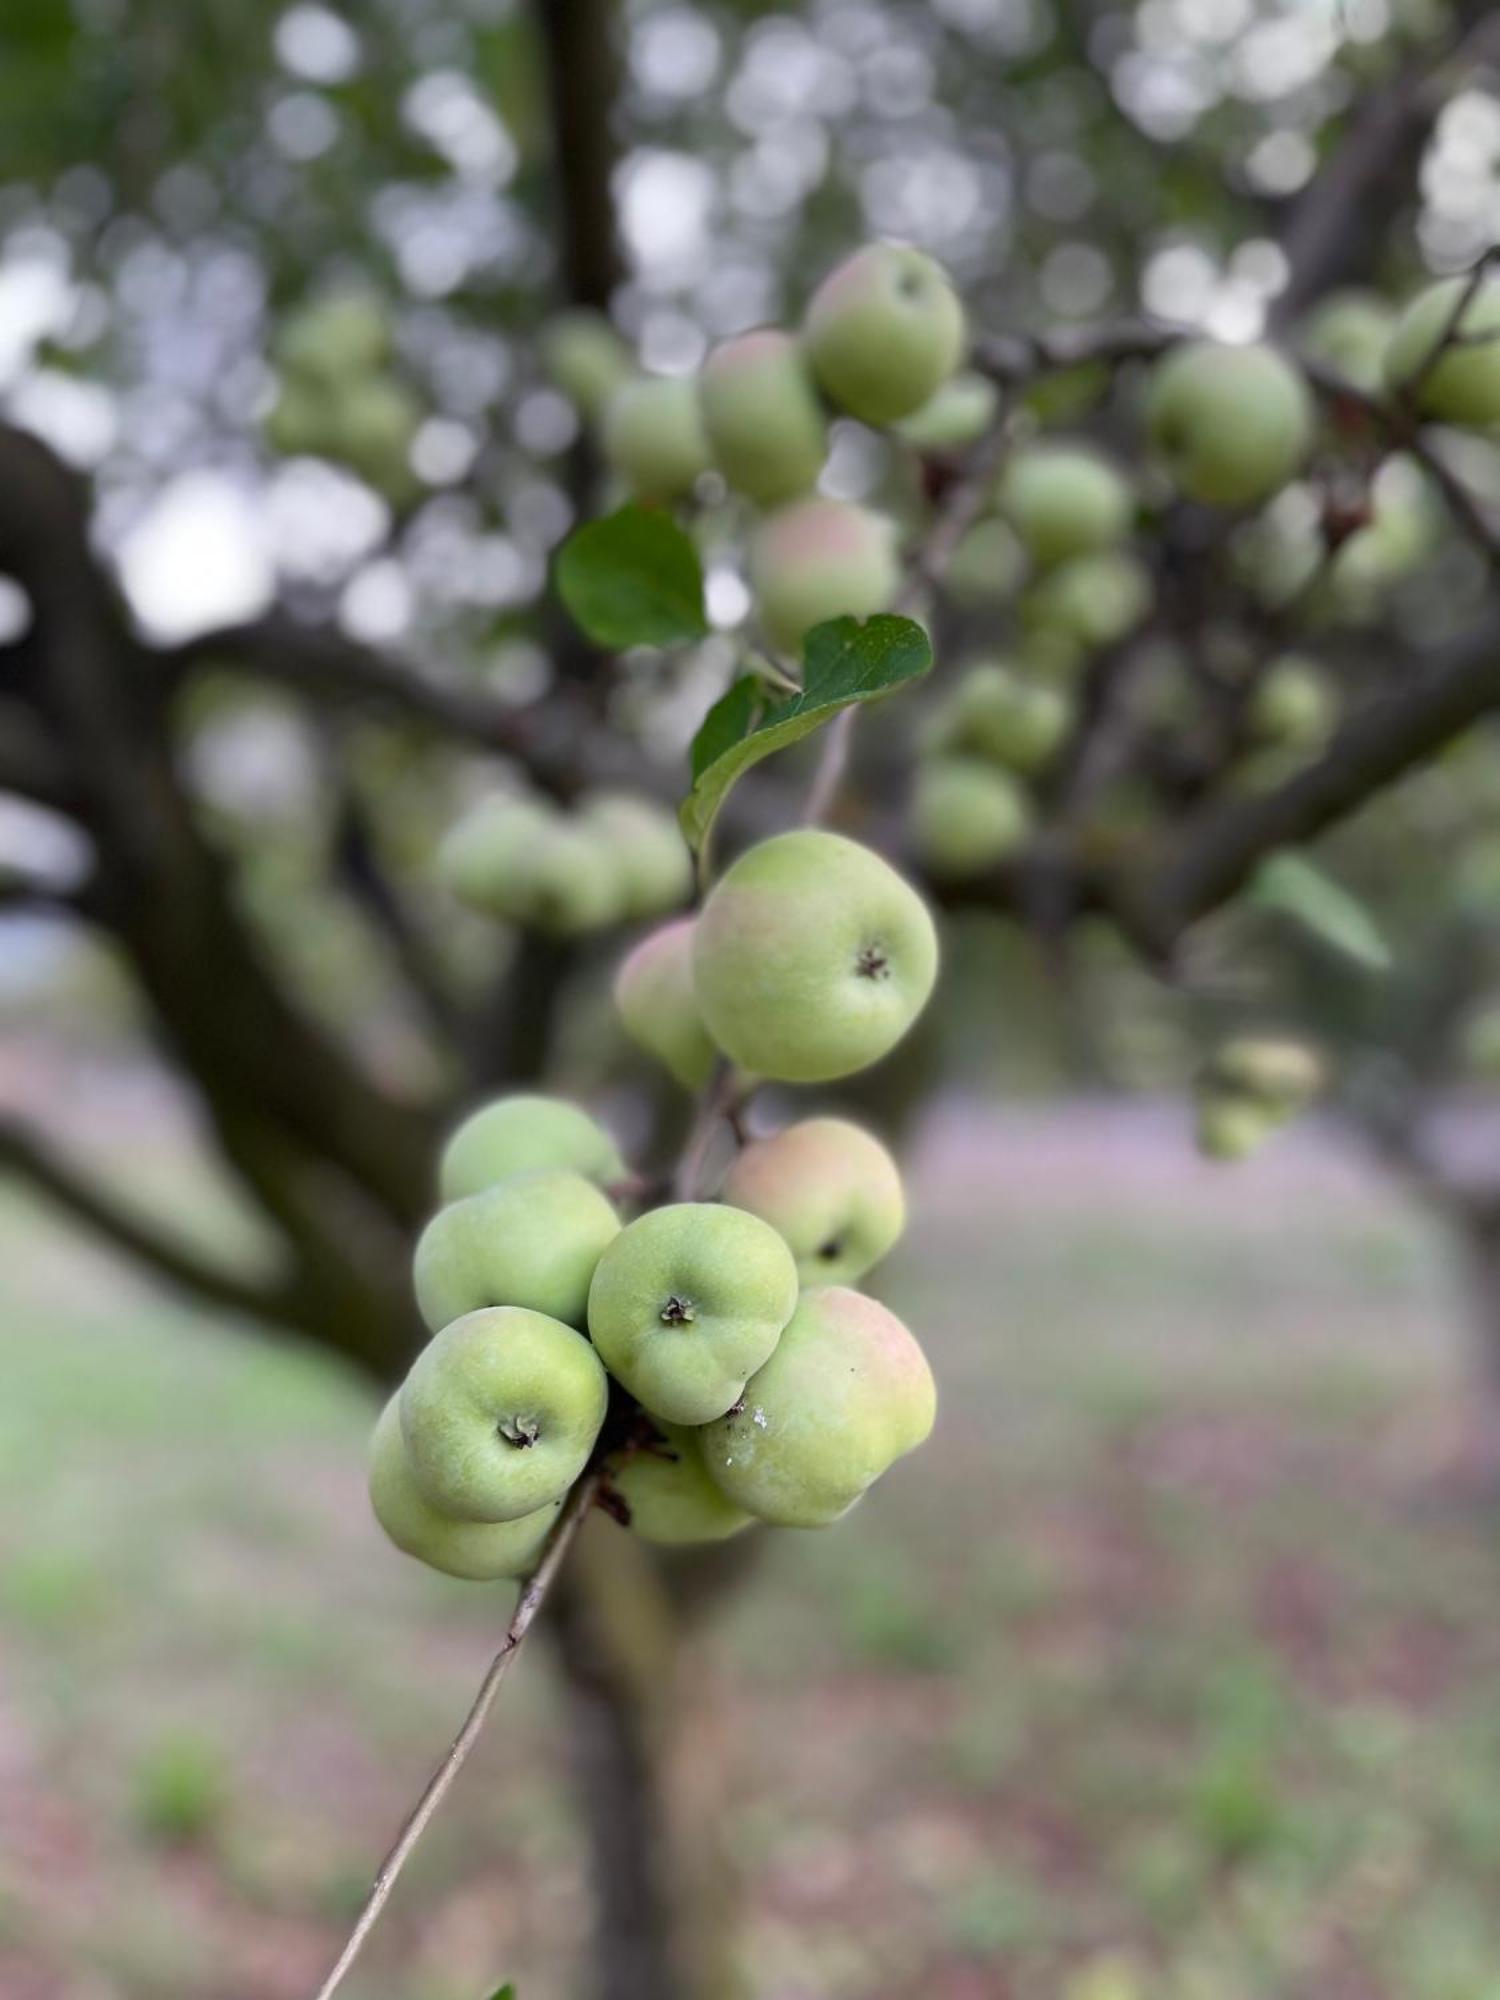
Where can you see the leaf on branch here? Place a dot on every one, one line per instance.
(632, 579)
(1294, 887)
(505, 1992)
(845, 662)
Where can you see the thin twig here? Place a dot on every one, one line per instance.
(723, 1095)
(529, 1604)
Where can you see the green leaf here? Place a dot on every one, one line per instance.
(845, 662)
(505, 1992)
(1294, 887)
(632, 579)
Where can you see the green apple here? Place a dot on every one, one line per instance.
(1064, 500)
(586, 359)
(1233, 424)
(480, 1551)
(519, 1134)
(669, 1496)
(987, 567)
(961, 412)
(846, 1393)
(829, 1189)
(686, 1304)
(500, 1412)
(571, 880)
(375, 419)
(1446, 354)
(653, 436)
(1280, 1075)
(1292, 705)
(812, 957)
(656, 1000)
(1351, 331)
(819, 559)
(485, 856)
(761, 412)
(297, 424)
(532, 1240)
(652, 863)
(1091, 600)
(1004, 715)
(966, 817)
(1230, 1126)
(884, 332)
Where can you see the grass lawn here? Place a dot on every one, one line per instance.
(1171, 1672)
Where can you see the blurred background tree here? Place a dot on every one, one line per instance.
(284, 465)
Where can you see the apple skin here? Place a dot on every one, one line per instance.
(1281, 1075)
(500, 1412)
(653, 436)
(966, 816)
(829, 1189)
(1233, 424)
(1064, 500)
(1090, 600)
(884, 332)
(819, 559)
(765, 425)
(1231, 1127)
(532, 1241)
(958, 415)
(1462, 385)
(343, 334)
(478, 1551)
(847, 1392)
(651, 860)
(687, 1303)
(1292, 706)
(657, 1003)
(520, 1134)
(1351, 331)
(1007, 717)
(585, 358)
(669, 1495)
(485, 857)
(812, 957)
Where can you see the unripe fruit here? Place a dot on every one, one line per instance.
(821, 559)
(570, 881)
(829, 1189)
(966, 816)
(1231, 1127)
(375, 419)
(1232, 423)
(847, 1392)
(1292, 706)
(1461, 383)
(761, 412)
(500, 1412)
(651, 861)
(987, 567)
(1002, 715)
(531, 1241)
(1091, 600)
(520, 1134)
(669, 1496)
(884, 332)
(586, 359)
(959, 414)
(485, 857)
(687, 1302)
(1064, 500)
(812, 957)
(1350, 330)
(481, 1551)
(1280, 1075)
(659, 1007)
(653, 436)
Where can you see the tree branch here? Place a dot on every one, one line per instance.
(28, 1158)
(531, 1600)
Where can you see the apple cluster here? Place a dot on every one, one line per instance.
(881, 340)
(1250, 1087)
(711, 1357)
(616, 857)
(340, 396)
